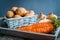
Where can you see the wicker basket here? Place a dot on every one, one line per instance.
(19, 22)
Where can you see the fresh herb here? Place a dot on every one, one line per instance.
(56, 22)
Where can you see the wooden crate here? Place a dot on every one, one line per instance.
(30, 35)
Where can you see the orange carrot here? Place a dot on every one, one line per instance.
(44, 27)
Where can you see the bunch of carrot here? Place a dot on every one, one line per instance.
(44, 27)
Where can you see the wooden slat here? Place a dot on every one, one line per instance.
(27, 35)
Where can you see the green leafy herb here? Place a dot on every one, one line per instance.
(56, 22)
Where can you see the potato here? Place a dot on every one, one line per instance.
(27, 13)
(21, 11)
(14, 9)
(17, 16)
(30, 13)
(9, 14)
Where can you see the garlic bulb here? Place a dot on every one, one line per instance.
(42, 16)
(45, 20)
(52, 15)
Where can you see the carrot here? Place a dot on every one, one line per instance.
(44, 27)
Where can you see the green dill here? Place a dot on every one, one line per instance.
(56, 22)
